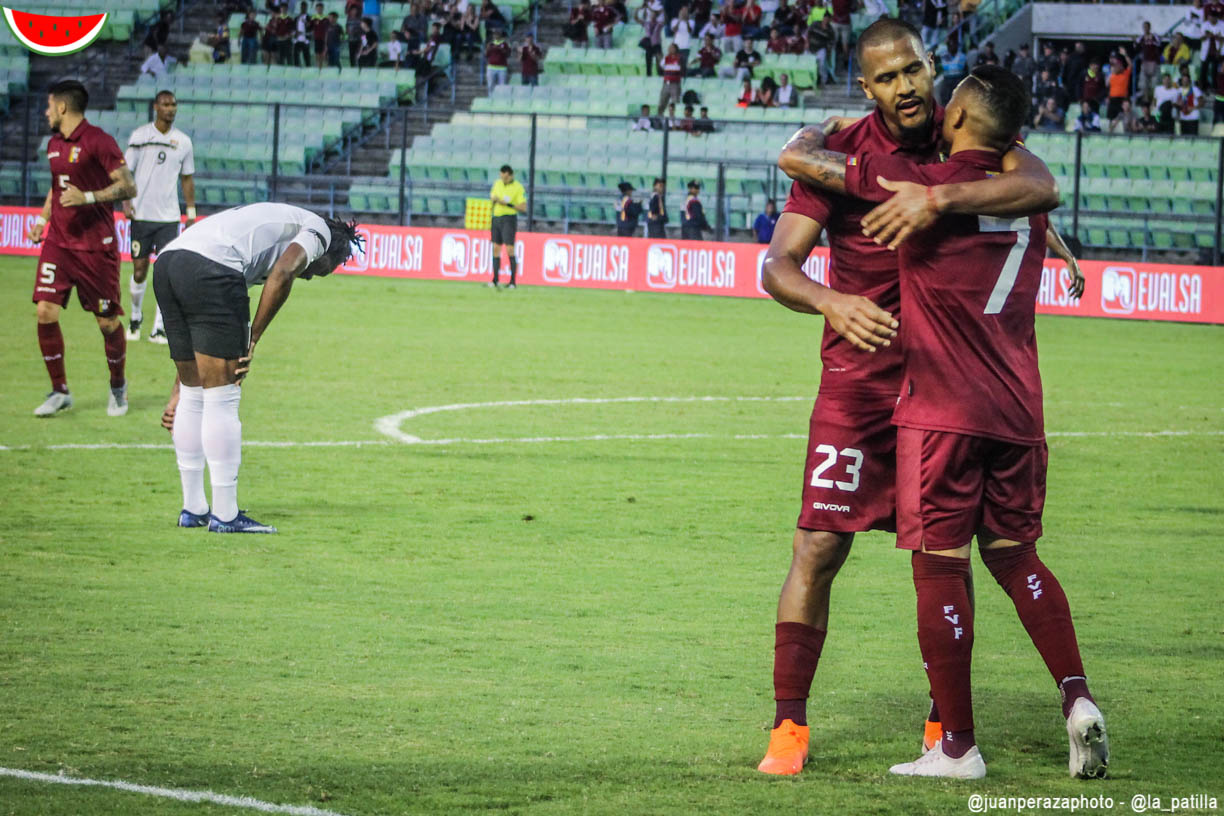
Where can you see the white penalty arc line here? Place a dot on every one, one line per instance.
(170, 793)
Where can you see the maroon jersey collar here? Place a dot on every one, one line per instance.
(880, 130)
(77, 132)
(982, 159)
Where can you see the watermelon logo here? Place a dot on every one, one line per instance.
(54, 36)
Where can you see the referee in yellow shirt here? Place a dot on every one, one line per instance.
(509, 199)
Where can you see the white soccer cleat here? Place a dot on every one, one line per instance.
(56, 401)
(117, 404)
(1089, 744)
(158, 336)
(936, 763)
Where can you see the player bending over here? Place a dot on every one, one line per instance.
(201, 284)
(159, 155)
(971, 452)
(849, 476)
(77, 230)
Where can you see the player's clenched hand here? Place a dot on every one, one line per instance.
(35, 233)
(1076, 287)
(71, 197)
(167, 419)
(859, 320)
(909, 210)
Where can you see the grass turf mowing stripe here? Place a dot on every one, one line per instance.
(170, 793)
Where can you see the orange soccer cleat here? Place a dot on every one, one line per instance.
(788, 750)
(931, 734)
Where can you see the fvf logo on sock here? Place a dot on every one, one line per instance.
(1034, 584)
(952, 617)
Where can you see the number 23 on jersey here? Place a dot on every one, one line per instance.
(850, 461)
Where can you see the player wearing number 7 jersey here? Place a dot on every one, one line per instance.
(87, 173)
(971, 453)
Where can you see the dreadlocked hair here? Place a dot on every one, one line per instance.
(344, 236)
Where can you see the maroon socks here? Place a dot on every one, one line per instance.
(116, 355)
(1042, 607)
(51, 342)
(797, 649)
(945, 637)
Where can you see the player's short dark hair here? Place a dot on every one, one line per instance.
(505, 168)
(886, 30)
(1003, 99)
(71, 93)
(160, 94)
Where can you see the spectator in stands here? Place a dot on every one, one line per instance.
(284, 36)
(1124, 120)
(682, 30)
(1025, 67)
(416, 24)
(1049, 116)
(301, 37)
(713, 27)
(1191, 24)
(751, 19)
(248, 39)
(1165, 99)
(491, 15)
(1177, 52)
(764, 224)
(497, 60)
(692, 220)
(786, 18)
(158, 33)
(1211, 47)
(707, 58)
(651, 22)
(319, 24)
(1048, 61)
(334, 33)
(767, 94)
(1048, 88)
(955, 68)
(576, 29)
(820, 43)
(702, 11)
(785, 95)
(270, 46)
(352, 26)
(220, 40)
(1092, 88)
(656, 212)
(688, 122)
(704, 124)
(422, 61)
(643, 122)
(1074, 68)
(746, 94)
(733, 25)
(159, 64)
(531, 56)
(1145, 122)
(397, 50)
(1189, 100)
(1119, 82)
(672, 120)
(746, 59)
(367, 54)
(987, 55)
(373, 10)
(628, 211)
(1088, 121)
(604, 19)
(933, 17)
(840, 11)
(777, 44)
(672, 72)
(469, 31)
(1147, 49)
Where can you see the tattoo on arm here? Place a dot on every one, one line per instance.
(123, 188)
(805, 159)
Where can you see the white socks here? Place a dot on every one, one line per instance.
(157, 321)
(189, 449)
(221, 438)
(137, 291)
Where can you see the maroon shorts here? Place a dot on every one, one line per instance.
(951, 486)
(849, 480)
(94, 274)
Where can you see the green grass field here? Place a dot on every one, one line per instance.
(567, 626)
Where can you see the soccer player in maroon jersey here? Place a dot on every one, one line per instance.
(79, 247)
(971, 452)
(849, 477)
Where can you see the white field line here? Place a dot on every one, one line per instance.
(390, 427)
(170, 793)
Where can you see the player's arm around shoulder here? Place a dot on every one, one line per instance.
(804, 157)
(855, 318)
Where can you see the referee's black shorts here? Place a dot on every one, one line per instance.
(151, 237)
(204, 305)
(503, 228)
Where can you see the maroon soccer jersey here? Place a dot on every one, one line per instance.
(604, 17)
(85, 159)
(969, 291)
(858, 265)
(497, 54)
